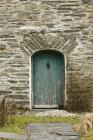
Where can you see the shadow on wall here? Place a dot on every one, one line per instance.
(78, 91)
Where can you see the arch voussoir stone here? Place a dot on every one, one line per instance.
(24, 48)
(43, 41)
(33, 42)
(69, 43)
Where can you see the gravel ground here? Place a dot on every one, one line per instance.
(59, 113)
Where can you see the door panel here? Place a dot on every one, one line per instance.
(48, 79)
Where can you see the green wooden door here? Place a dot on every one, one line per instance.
(48, 79)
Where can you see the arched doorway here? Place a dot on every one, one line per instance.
(48, 70)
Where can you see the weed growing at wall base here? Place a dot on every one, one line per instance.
(7, 111)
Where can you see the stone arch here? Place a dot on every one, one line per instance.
(36, 41)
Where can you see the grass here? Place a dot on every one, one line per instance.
(87, 137)
(22, 120)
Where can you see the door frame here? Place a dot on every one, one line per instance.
(31, 77)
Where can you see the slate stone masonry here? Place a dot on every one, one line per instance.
(51, 131)
(55, 18)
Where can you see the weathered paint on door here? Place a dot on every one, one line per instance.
(48, 79)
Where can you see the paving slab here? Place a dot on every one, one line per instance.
(12, 136)
(51, 131)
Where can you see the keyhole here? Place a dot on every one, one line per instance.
(48, 65)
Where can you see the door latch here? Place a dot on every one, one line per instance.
(48, 65)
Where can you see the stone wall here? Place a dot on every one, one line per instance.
(18, 17)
